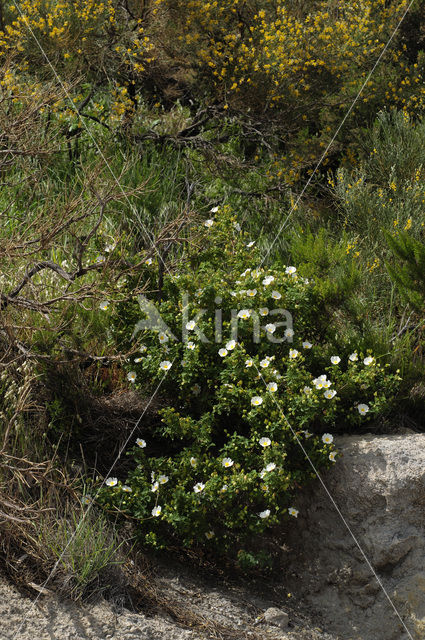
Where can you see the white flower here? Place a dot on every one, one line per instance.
(163, 337)
(138, 360)
(223, 488)
(276, 374)
(148, 261)
(249, 363)
(104, 305)
(165, 365)
(353, 357)
(290, 270)
(289, 333)
(141, 443)
(263, 311)
(264, 363)
(293, 512)
(251, 292)
(250, 244)
(271, 466)
(332, 456)
(245, 273)
(196, 389)
(143, 348)
(276, 295)
(231, 345)
(307, 433)
(156, 511)
(268, 280)
(256, 401)
(111, 482)
(265, 442)
(327, 438)
(131, 376)
(110, 247)
(362, 409)
(199, 486)
(329, 393)
(270, 328)
(307, 390)
(214, 210)
(367, 361)
(237, 226)
(126, 488)
(264, 514)
(335, 359)
(193, 462)
(162, 479)
(100, 259)
(244, 314)
(209, 535)
(293, 353)
(222, 352)
(208, 223)
(190, 325)
(321, 382)
(227, 462)
(307, 344)
(272, 386)
(86, 500)
(190, 345)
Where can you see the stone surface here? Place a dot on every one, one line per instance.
(378, 484)
(276, 617)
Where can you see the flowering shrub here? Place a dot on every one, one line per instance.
(251, 397)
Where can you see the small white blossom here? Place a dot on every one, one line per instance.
(272, 386)
(190, 345)
(276, 295)
(143, 348)
(263, 311)
(264, 514)
(165, 365)
(199, 486)
(362, 409)
(208, 223)
(264, 363)
(162, 479)
(227, 462)
(104, 305)
(137, 360)
(155, 487)
(156, 511)
(265, 442)
(353, 357)
(329, 393)
(148, 261)
(231, 345)
(86, 500)
(100, 259)
(307, 344)
(270, 328)
(307, 390)
(293, 353)
(256, 401)
(193, 462)
(209, 535)
(327, 438)
(162, 337)
(367, 361)
(251, 293)
(111, 482)
(141, 443)
(214, 209)
(293, 512)
(250, 244)
(332, 456)
(289, 333)
(335, 359)
(249, 362)
(237, 226)
(271, 466)
(223, 488)
(131, 376)
(126, 488)
(290, 270)
(222, 352)
(268, 280)
(190, 325)
(244, 314)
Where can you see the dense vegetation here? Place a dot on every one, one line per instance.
(212, 160)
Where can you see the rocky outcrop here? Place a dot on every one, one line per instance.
(378, 485)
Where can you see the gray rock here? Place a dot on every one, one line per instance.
(378, 484)
(276, 617)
